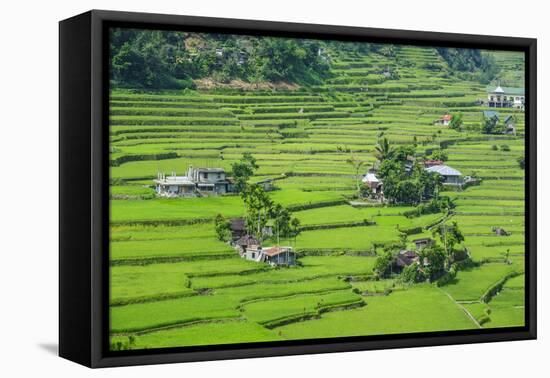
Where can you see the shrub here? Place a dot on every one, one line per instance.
(413, 274)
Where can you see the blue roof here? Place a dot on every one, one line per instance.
(444, 170)
(491, 114)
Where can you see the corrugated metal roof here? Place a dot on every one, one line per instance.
(444, 170)
(175, 180)
(491, 114)
(370, 177)
(272, 251)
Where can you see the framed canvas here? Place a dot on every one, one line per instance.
(234, 188)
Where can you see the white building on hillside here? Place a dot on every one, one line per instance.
(450, 175)
(198, 181)
(506, 97)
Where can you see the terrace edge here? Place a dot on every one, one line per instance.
(83, 227)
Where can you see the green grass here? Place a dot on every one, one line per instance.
(471, 284)
(187, 288)
(155, 281)
(143, 316)
(168, 248)
(420, 309)
(203, 334)
(270, 311)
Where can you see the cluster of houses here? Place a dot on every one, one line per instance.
(197, 181)
(508, 121)
(200, 182)
(250, 248)
(451, 177)
(407, 257)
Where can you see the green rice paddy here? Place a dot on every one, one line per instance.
(173, 283)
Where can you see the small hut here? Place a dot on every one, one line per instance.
(245, 242)
(238, 228)
(423, 243)
(405, 258)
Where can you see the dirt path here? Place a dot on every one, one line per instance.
(462, 308)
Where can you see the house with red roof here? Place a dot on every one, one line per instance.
(444, 120)
(275, 255)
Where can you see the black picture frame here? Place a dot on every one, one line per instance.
(84, 199)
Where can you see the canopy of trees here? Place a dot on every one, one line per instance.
(470, 63)
(156, 59)
(406, 181)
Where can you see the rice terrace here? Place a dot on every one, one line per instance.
(267, 189)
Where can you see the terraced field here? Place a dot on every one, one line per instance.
(173, 283)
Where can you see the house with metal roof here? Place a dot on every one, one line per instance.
(237, 226)
(213, 180)
(279, 255)
(198, 181)
(450, 175)
(506, 97)
(245, 242)
(509, 124)
(373, 182)
(422, 243)
(275, 255)
(405, 258)
(174, 186)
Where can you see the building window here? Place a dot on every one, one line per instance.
(253, 255)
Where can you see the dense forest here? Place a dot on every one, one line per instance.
(173, 60)
(470, 64)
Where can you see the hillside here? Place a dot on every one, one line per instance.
(173, 283)
(178, 60)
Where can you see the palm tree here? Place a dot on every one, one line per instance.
(383, 149)
(356, 163)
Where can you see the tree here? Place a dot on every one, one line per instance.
(365, 191)
(383, 264)
(356, 163)
(412, 274)
(258, 207)
(439, 154)
(383, 149)
(449, 235)
(243, 169)
(456, 122)
(222, 227)
(433, 260)
(489, 125)
(282, 221)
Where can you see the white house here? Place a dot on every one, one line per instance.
(444, 120)
(451, 176)
(197, 181)
(373, 182)
(272, 255)
(506, 97)
(174, 186)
